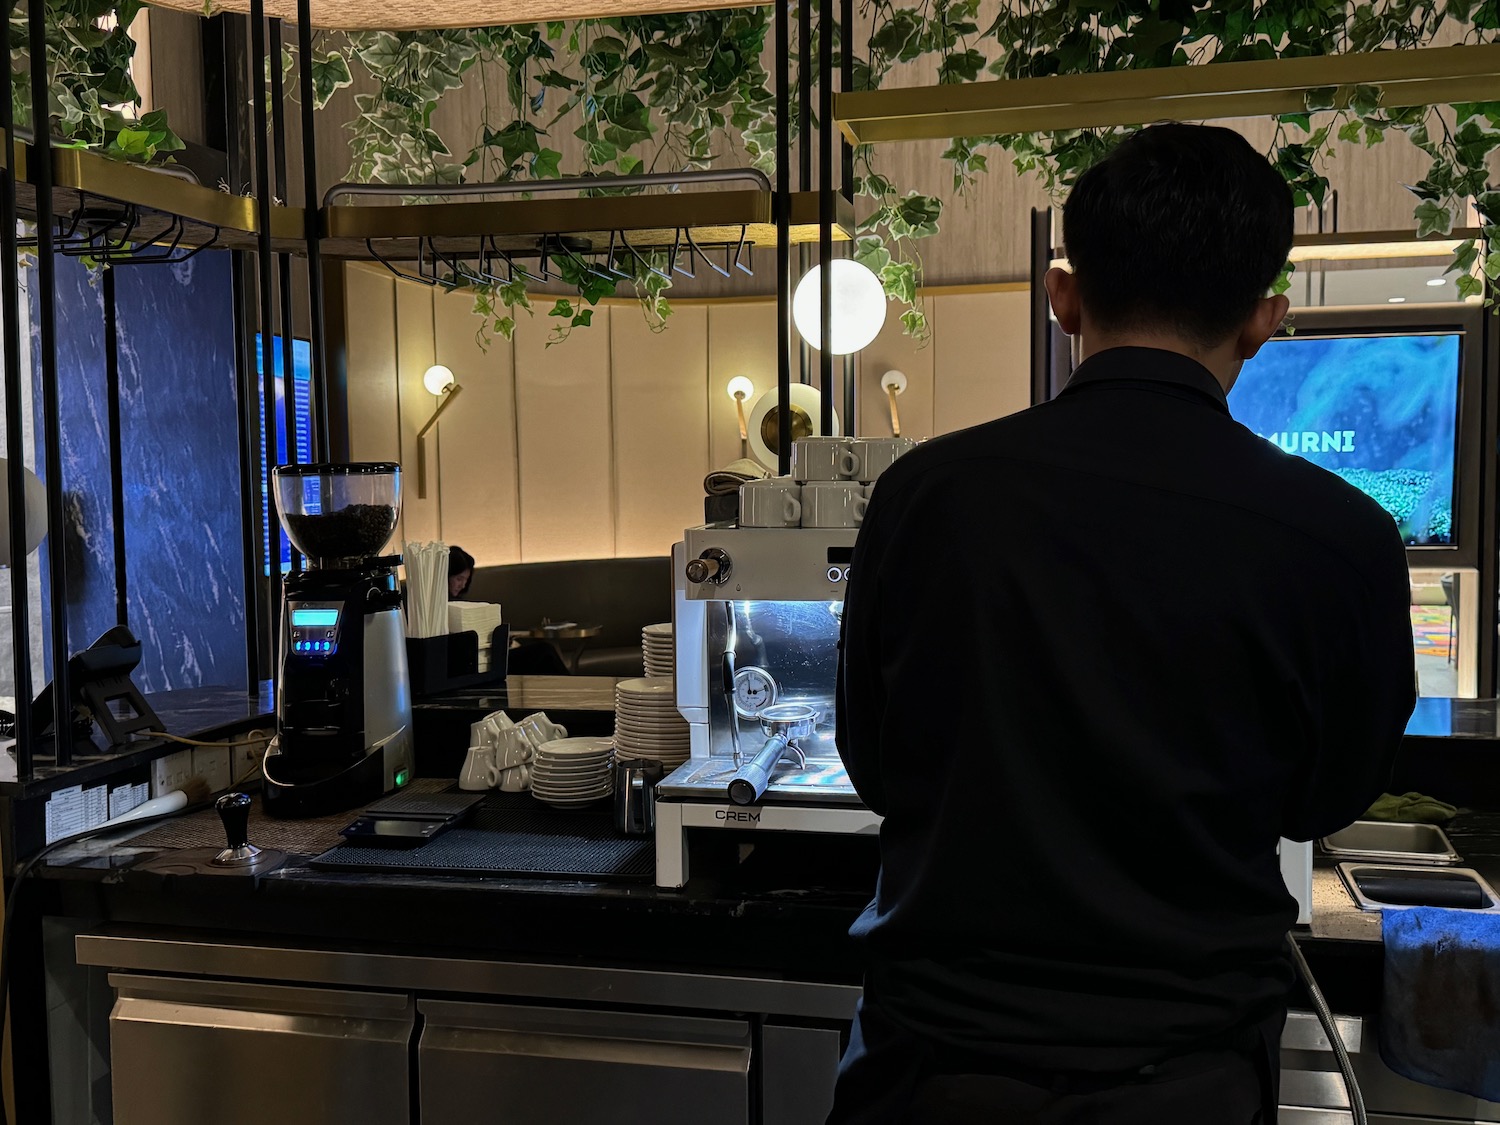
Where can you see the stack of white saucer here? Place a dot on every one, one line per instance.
(569, 773)
(647, 724)
(656, 647)
(476, 617)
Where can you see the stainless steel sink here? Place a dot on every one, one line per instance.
(1389, 887)
(1385, 841)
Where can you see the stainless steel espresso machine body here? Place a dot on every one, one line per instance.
(343, 707)
(757, 615)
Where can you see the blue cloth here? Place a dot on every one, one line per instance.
(1440, 1018)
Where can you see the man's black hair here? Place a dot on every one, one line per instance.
(1181, 228)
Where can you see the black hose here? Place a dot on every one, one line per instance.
(12, 897)
(1330, 1029)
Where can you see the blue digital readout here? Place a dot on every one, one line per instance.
(315, 618)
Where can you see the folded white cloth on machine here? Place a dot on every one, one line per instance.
(731, 476)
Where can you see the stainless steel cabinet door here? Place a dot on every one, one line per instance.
(189, 1052)
(798, 1067)
(546, 1066)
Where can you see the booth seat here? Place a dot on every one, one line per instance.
(619, 595)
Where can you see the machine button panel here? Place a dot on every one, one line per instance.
(314, 628)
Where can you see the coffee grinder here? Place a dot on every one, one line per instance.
(343, 707)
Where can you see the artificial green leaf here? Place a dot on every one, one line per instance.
(545, 165)
(1464, 257)
(330, 73)
(1492, 265)
(1469, 286)
(563, 308)
(1433, 218)
(1350, 131)
(1364, 100)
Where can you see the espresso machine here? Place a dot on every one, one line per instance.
(758, 613)
(757, 616)
(343, 706)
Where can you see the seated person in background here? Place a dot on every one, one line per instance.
(460, 572)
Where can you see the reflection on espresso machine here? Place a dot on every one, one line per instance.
(757, 612)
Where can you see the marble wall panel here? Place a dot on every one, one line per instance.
(180, 445)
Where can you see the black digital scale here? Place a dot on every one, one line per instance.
(400, 822)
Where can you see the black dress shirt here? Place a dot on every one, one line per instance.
(1097, 657)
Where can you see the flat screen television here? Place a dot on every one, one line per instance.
(1388, 400)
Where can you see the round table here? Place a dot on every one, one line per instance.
(575, 635)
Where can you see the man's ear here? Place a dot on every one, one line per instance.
(1062, 291)
(1263, 323)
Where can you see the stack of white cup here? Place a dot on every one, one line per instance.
(830, 485)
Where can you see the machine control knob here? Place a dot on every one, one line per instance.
(711, 566)
(234, 813)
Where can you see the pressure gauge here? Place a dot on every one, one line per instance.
(754, 691)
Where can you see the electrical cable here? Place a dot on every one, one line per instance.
(1330, 1029)
(257, 737)
(12, 897)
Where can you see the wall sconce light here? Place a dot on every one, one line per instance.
(741, 389)
(858, 307)
(893, 383)
(439, 381)
(36, 512)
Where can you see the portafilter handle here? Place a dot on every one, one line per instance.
(751, 779)
(234, 814)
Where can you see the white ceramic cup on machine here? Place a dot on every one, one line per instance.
(823, 458)
(833, 503)
(874, 456)
(773, 502)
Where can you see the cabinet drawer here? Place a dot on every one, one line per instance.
(542, 1066)
(185, 1052)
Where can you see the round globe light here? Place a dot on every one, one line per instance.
(858, 307)
(438, 379)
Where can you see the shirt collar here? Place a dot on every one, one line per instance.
(1149, 365)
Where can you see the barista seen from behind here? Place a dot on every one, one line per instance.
(1097, 657)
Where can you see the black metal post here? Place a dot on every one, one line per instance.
(1041, 324)
(804, 103)
(46, 307)
(116, 445)
(783, 241)
(846, 83)
(314, 236)
(851, 395)
(827, 197)
(15, 474)
(263, 266)
(284, 265)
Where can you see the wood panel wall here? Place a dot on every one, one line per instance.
(597, 447)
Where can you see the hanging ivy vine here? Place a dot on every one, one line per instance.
(92, 94)
(689, 91)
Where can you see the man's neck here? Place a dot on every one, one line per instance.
(1221, 362)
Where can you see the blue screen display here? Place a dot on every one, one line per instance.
(1380, 411)
(300, 449)
(315, 618)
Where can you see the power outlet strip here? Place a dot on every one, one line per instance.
(171, 772)
(219, 766)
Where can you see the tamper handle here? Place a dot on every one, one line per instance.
(234, 812)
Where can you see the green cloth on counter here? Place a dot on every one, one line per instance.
(1410, 808)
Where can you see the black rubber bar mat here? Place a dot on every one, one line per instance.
(516, 837)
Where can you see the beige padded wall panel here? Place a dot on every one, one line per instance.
(981, 358)
(478, 487)
(563, 419)
(374, 426)
(414, 355)
(894, 349)
(741, 341)
(661, 427)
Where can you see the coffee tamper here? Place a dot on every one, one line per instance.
(234, 812)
